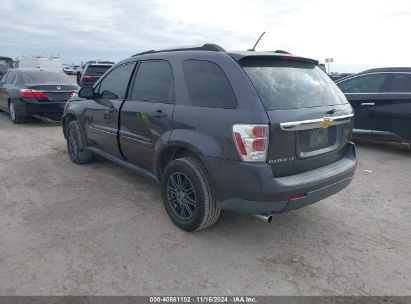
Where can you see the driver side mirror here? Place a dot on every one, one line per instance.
(86, 92)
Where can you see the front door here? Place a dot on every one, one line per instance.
(146, 116)
(102, 115)
(362, 92)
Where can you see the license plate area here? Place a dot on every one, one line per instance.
(317, 141)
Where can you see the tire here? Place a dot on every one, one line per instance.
(178, 201)
(15, 118)
(75, 144)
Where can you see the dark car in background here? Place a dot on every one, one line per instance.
(6, 63)
(252, 132)
(381, 99)
(92, 73)
(26, 92)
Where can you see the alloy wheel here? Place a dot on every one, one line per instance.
(181, 195)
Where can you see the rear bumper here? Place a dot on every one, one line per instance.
(24, 108)
(252, 188)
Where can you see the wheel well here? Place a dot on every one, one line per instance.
(173, 153)
(68, 117)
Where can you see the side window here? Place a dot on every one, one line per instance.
(400, 83)
(207, 85)
(153, 82)
(114, 85)
(370, 83)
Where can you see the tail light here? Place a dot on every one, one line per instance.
(251, 141)
(87, 77)
(28, 93)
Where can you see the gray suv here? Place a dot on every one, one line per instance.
(252, 132)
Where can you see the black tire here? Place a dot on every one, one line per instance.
(178, 202)
(75, 144)
(15, 118)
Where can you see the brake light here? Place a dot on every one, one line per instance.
(288, 58)
(251, 141)
(87, 77)
(27, 93)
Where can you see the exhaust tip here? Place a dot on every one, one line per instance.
(265, 218)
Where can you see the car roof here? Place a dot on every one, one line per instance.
(209, 48)
(389, 69)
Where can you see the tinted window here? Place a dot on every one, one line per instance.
(94, 70)
(370, 83)
(400, 83)
(114, 85)
(289, 85)
(44, 77)
(207, 85)
(153, 82)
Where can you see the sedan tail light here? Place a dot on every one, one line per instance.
(28, 93)
(251, 141)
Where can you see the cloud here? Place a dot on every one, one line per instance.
(353, 32)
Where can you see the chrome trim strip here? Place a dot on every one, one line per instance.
(101, 130)
(314, 123)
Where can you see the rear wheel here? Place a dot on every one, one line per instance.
(187, 195)
(15, 118)
(75, 144)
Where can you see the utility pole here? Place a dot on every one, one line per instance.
(328, 61)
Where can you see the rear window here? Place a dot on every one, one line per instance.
(289, 85)
(400, 83)
(43, 77)
(40, 63)
(208, 86)
(97, 70)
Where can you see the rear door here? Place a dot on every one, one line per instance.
(8, 83)
(147, 114)
(102, 115)
(392, 111)
(310, 119)
(362, 92)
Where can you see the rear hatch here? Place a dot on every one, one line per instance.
(94, 72)
(310, 118)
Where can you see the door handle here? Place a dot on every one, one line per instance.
(369, 104)
(160, 114)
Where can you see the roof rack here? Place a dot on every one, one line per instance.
(204, 47)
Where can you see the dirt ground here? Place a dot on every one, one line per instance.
(98, 229)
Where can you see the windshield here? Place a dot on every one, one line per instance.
(97, 70)
(290, 85)
(43, 77)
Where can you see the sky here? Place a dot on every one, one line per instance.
(358, 34)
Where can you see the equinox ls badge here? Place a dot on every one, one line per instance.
(326, 122)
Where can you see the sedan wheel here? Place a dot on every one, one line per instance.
(15, 118)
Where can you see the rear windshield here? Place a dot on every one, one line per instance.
(285, 85)
(40, 63)
(97, 70)
(43, 77)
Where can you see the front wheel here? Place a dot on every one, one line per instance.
(76, 145)
(15, 118)
(187, 195)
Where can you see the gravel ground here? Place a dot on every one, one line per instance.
(98, 229)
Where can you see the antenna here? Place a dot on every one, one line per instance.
(253, 49)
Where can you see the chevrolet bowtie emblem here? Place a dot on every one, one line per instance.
(326, 122)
